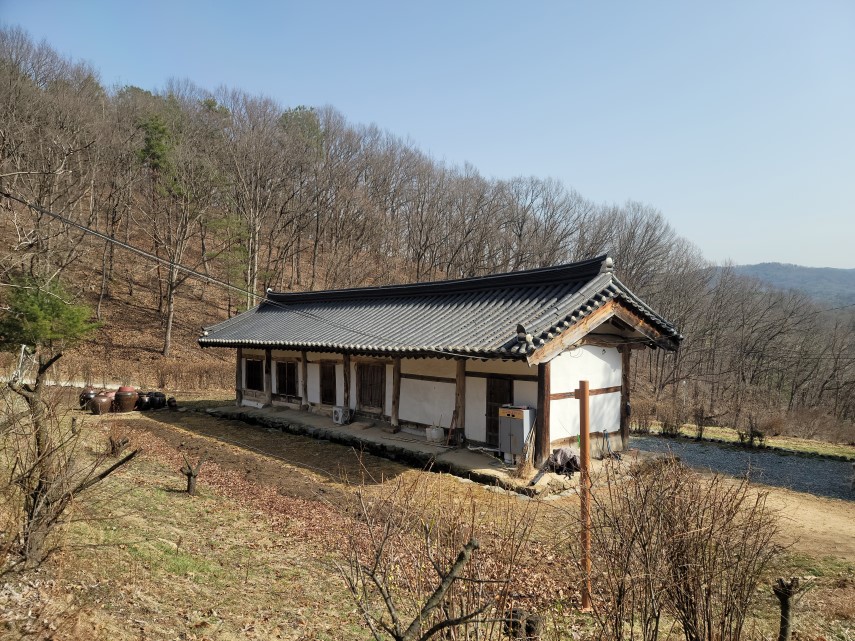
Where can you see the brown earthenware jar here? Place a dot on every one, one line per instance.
(101, 404)
(125, 401)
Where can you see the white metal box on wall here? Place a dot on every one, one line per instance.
(514, 426)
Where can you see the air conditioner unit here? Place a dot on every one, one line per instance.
(340, 415)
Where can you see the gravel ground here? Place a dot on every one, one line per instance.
(819, 476)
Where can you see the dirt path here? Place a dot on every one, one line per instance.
(819, 526)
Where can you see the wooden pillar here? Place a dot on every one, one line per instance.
(346, 364)
(268, 376)
(541, 434)
(396, 392)
(460, 397)
(304, 379)
(585, 490)
(239, 377)
(625, 353)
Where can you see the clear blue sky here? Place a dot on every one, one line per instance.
(736, 119)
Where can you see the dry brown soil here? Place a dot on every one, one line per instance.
(819, 526)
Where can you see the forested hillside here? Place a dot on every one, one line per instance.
(255, 195)
(824, 284)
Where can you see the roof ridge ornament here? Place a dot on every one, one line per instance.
(608, 265)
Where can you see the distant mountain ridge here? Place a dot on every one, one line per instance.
(827, 285)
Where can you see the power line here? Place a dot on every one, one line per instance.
(130, 248)
(215, 281)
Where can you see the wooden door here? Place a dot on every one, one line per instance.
(370, 387)
(328, 383)
(500, 391)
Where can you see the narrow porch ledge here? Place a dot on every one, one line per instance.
(459, 461)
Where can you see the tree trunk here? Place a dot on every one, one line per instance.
(785, 591)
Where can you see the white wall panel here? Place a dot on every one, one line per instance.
(598, 365)
(525, 393)
(314, 388)
(476, 405)
(426, 402)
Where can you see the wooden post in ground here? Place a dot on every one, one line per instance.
(541, 432)
(585, 488)
(304, 379)
(192, 473)
(460, 398)
(396, 392)
(785, 591)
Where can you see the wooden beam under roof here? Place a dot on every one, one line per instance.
(579, 332)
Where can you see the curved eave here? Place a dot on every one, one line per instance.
(423, 351)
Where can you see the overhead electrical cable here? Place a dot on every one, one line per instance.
(216, 281)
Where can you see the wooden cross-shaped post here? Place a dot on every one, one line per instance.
(191, 473)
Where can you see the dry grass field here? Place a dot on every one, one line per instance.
(255, 554)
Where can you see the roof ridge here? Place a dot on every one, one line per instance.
(538, 276)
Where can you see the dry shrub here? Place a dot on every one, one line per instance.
(673, 547)
(773, 424)
(669, 417)
(818, 425)
(182, 375)
(410, 536)
(642, 416)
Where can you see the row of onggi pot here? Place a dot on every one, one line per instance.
(124, 399)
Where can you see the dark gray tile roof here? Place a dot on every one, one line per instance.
(473, 316)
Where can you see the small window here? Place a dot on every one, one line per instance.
(254, 379)
(371, 386)
(328, 383)
(286, 378)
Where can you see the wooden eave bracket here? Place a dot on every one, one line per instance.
(574, 335)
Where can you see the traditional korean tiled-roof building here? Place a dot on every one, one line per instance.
(451, 353)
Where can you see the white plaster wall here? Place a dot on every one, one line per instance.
(600, 366)
(443, 367)
(476, 405)
(525, 393)
(426, 402)
(313, 371)
(563, 418)
(605, 412)
(339, 384)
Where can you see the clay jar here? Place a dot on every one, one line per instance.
(101, 403)
(142, 401)
(156, 400)
(126, 399)
(87, 395)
